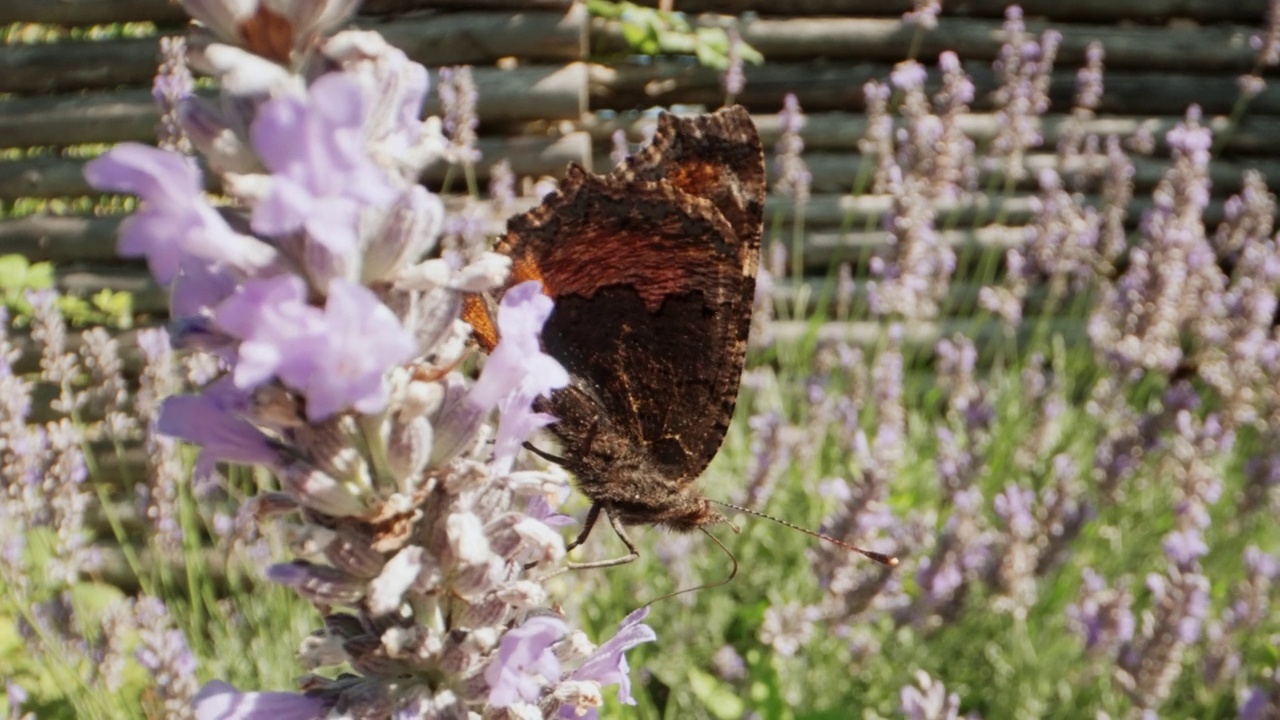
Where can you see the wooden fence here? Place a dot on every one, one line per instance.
(557, 102)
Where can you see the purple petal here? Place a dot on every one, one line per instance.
(608, 664)
(212, 421)
(175, 219)
(525, 663)
(322, 173)
(218, 700)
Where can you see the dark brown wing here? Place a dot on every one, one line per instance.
(649, 287)
(653, 271)
(717, 157)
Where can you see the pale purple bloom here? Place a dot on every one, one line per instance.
(516, 373)
(794, 177)
(457, 91)
(1089, 85)
(908, 75)
(175, 219)
(728, 663)
(928, 699)
(608, 664)
(733, 78)
(1103, 616)
(621, 151)
(1267, 46)
(218, 700)
(322, 174)
(172, 85)
(211, 420)
(360, 342)
(336, 357)
(923, 13)
(525, 664)
(1185, 547)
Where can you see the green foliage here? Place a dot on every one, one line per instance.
(649, 31)
(18, 276)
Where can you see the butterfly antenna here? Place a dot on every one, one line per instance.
(732, 574)
(886, 560)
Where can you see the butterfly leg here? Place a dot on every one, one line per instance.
(592, 516)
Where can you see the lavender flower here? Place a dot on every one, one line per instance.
(793, 174)
(339, 339)
(524, 663)
(1024, 67)
(1149, 663)
(1172, 281)
(878, 141)
(218, 700)
(1267, 46)
(172, 86)
(923, 13)
(1103, 616)
(786, 628)
(163, 651)
(733, 79)
(929, 700)
(458, 98)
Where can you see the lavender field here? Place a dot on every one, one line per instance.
(1072, 443)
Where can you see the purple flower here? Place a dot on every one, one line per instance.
(175, 220)
(218, 700)
(322, 174)
(211, 420)
(608, 664)
(516, 373)
(928, 699)
(336, 356)
(1184, 548)
(525, 663)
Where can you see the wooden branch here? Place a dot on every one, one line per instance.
(1218, 48)
(920, 337)
(91, 12)
(60, 239)
(92, 239)
(1253, 135)
(67, 66)
(961, 297)
(51, 176)
(437, 39)
(75, 119)
(167, 13)
(527, 93)
(547, 93)
(392, 7)
(828, 86)
(1148, 11)
(824, 212)
(837, 172)
(482, 38)
(84, 280)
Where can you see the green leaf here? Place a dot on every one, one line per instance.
(13, 271)
(40, 276)
(717, 697)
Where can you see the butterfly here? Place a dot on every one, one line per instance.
(653, 271)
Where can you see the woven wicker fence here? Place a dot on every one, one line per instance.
(545, 99)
